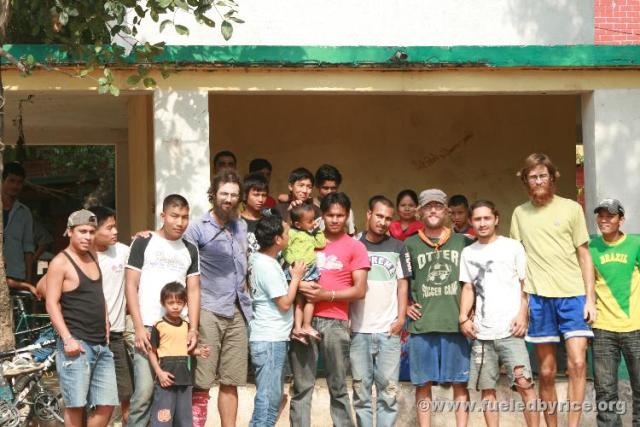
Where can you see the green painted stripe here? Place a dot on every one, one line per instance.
(577, 56)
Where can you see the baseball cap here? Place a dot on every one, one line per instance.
(612, 205)
(432, 195)
(81, 217)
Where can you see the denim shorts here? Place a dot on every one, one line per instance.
(488, 355)
(438, 358)
(88, 379)
(551, 317)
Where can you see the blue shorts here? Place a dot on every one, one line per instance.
(88, 379)
(438, 358)
(551, 317)
(311, 274)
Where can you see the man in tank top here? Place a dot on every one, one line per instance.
(76, 305)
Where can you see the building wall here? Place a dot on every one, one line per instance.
(397, 23)
(385, 143)
(617, 21)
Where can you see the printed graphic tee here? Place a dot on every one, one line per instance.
(379, 309)
(159, 262)
(336, 262)
(495, 270)
(435, 283)
(617, 283)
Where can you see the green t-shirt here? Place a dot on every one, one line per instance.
(435, 283)
(617, 283)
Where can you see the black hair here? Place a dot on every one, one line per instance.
(296, 212)
(102, 213)
(328, 173)
(267, 229)
(224, 153)
(299, 174)
(458, 200)
(174, 200)
(13, 168)
(380, 199)
(335, 199)
(404, 193)
(256, 165)
(485, 204)
(254, 181)
(173, 289)
(224, 177)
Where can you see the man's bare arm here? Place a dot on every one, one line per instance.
(132, 281)
(314, 293)
(403, 300)
(193, 310)
(588, 276)
(55, 280)
(466, 304)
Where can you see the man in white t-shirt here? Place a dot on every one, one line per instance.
(378, 319)
(494, 268)
(161, 257)
(112, 259)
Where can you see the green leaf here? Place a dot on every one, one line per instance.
(142, 70)
(133, 79)
(164, 23)
(84, 73)
(63, 18)
(102, 89)
(149, 82)
(164, 3)
(102, 81)
(139, 11)
(182, 30)
(226, 29)
(165, 73)
(207, 21)
(115, 90)
(236, 20)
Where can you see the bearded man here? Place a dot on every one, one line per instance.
(559, 280)
(221, 238)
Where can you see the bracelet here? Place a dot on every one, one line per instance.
(64, 340)
(333, 296)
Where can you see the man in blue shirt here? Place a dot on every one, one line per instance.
(221, 238)
(18, 225)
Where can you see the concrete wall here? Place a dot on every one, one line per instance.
(611, 133)
(397, 23)
(385, 143)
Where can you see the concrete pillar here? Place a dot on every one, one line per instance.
(181, 148)
(611, 135)
(140, 166)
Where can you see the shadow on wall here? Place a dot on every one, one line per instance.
(552, 22)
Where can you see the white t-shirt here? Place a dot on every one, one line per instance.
(495, 269)
(160, 261)
(268, 282)
(112, 263)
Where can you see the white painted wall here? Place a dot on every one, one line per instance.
(181, 148)
(611, 135)
(398, 23)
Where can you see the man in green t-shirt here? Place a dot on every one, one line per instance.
(438, 352)
(616, 257)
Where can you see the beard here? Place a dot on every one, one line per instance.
(223, 214)
(542, 195)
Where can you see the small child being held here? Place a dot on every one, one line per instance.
(171, 361)
(304, 239)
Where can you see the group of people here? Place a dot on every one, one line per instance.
(280, 281)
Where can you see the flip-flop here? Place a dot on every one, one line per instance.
(296, 337)
(313, 335)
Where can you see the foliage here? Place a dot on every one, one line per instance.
(101, 34)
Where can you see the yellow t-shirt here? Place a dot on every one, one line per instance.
(550, 235)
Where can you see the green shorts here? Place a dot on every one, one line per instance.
(229, 350)
(488, 355)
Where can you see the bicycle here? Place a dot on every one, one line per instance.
(28, 326)
(31, 397)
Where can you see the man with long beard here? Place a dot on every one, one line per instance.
(221, 238)
(559, 281)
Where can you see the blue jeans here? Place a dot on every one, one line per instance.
(607, 348)
(268, 359)
(143, 385)
(88, 378)
(375, 359)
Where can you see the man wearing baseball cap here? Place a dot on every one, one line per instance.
(616, 330)
(76, 305)
(438, 352)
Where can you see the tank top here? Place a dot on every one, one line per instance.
(83, 308)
